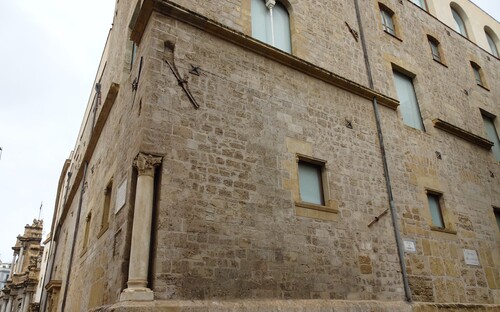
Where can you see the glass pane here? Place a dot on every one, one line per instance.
(420, 3)
(477, 75)
(460, 25)
(437, 219)
(387, 22)
(489, 125)
(493, 46)
(310, 183)
(261, 21)
(408, 101)
(281, 28)
(435, 50)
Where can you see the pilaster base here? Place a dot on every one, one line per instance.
(137, 294)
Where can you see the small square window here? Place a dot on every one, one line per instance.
(311, 182)
(435, 209)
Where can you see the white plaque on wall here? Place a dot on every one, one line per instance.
(121, 195)
(410, 245)
(470, 257)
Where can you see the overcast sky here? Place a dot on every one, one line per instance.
(49, 56)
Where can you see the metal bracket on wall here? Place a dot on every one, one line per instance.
(377, 218)
(353, 32)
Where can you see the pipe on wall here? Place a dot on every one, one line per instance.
(392, 206)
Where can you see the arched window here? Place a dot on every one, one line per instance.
(459, 23)
(490, 36)
(271, 24)
(435, 49)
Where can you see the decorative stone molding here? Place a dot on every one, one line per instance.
(146, 163)
(463, 134)
(270, 4)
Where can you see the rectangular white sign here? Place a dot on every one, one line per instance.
(410, 246)
(470, 257)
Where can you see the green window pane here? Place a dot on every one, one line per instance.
(459, 23)
(311, 188)
(408, 99)
(435, 208)
(493, 46)
(489, 125)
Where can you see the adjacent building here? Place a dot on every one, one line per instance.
(20, 291)
(4, 273)
(288, 155)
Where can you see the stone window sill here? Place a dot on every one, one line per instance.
(485, 88)
(443, 230)
(103, 230)
(316, 207)
(439, 62)
(393, 36)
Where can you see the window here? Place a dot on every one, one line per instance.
(491, 42)
(387, 21)
(459, 22)
(408, 101)
(434, 44)
(489, 125)
(476, 69)
(435, 209)
(311, 182)
(86, 233)
(271, 24)
(106, 206)
(420, 3)
(497, 216)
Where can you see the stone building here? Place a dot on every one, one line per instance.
(20, 291)
(291, 155)
(4, 273)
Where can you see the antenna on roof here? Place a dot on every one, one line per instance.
(1, 149)
(40, 212)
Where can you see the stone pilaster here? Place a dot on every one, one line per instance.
(9, 305)
(137, 285)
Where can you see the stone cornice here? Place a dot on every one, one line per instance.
(214, 28)
(463, 134)
(94, 138)
(53, 285)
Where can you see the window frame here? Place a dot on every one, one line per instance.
(496, 140)
(460, 26)
(326, 202)
(318, 172)
(421, 4)
(448, 225)
(490, 38)
(478, 74)
(436, 50)
(438, 197)
(386, 15)
(407, 109)
(283, 8)
(86, 233)
(106, 208)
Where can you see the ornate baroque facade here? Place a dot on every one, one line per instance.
(21, 290)
(292, 155)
